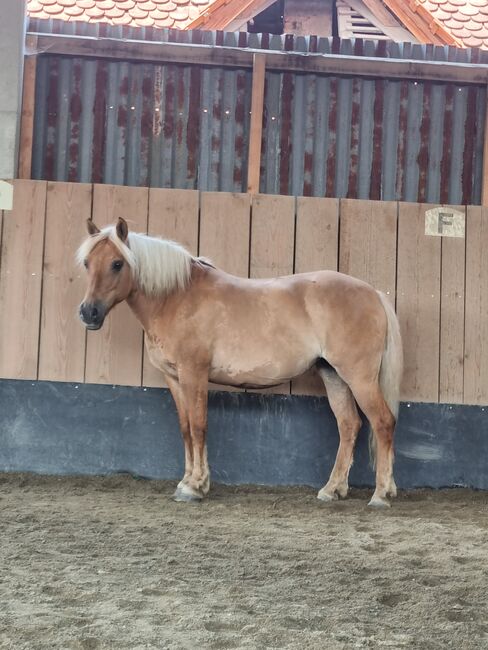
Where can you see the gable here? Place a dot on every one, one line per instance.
(358, 19)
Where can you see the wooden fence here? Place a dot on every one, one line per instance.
(438, 284)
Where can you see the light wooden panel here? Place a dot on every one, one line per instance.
(224, 235)
(63, 337)
(418, 303)
(224, 230)
(316, 248)
(476, 317)
(20, 280)
(368, 237)
(173, 214)
(451, 372)
(272, 242)
(114, 353)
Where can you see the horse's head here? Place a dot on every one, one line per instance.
(104, 256)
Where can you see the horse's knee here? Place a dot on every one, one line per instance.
(384, 430)
(349, 428)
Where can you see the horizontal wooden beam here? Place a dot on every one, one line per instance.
(331, 64)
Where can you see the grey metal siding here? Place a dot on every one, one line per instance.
(187, 126)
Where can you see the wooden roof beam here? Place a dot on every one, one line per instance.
(235, 57)
(421, 23)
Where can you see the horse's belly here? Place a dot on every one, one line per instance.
(265, 369)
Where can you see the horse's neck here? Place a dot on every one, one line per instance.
(149, 309)
(145, 308)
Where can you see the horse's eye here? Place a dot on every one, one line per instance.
(117, 265)
(85, 263)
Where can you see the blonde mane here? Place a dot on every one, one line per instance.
(159, 266)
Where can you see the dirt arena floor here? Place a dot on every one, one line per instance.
(94, 563)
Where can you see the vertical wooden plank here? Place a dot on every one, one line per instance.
(114, 354)
(28, 108)
(272, 242)
(476, 315)
(418, 303)
(451, 371)
(224, 230)
(484, 181)
(368, 241)
(256, 126)
(63, 336)
(173, 214)
(316, 248)
(224, 235)
(21, 280)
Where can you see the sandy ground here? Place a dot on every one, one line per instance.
(91, 563)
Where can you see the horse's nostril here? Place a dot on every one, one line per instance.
(94, 313)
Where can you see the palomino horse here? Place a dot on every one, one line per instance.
(204, 325)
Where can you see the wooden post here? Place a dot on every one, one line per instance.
(28, 107)
(256, 128)
(484, 182)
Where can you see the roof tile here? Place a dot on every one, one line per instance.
(165, 22)
(124, 19)
(126, 4)
(73, 11)
(105, 4)
(35, 6)
(466, 20)
(54, 9)
(145, 13)
(94, 12)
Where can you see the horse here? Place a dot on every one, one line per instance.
(204, 325)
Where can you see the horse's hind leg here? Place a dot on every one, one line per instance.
(382, 421)
(344, 408)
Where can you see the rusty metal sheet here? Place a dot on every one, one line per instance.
(188, 126)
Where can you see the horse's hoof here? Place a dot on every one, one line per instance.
(379, 502)
(326, 497)
(186, 494)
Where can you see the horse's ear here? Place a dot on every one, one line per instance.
(92, 227)
(122, 229)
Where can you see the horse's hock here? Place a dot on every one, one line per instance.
(95, 400)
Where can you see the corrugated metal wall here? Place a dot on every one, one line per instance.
(141, 124)
(377, 139)
(187, 127)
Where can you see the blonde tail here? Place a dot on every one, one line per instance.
(391, 369)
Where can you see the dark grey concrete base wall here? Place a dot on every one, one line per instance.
(58, 428)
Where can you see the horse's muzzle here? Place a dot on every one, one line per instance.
(93, 314)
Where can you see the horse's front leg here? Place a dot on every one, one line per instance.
(193, 384)
(184, 421)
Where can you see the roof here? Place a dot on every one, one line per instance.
(452, 22)
(466, 20)
(143, 13)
